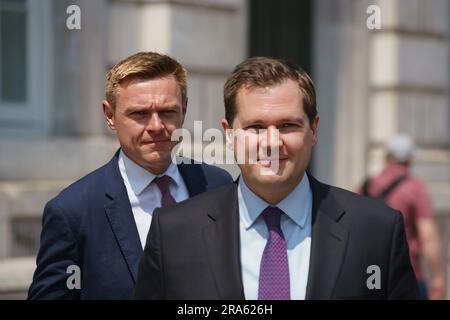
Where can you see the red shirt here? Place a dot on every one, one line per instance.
(412, 199)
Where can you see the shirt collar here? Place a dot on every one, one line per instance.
(139, 178)
(297, 205)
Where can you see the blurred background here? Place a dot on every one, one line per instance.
(371, 84)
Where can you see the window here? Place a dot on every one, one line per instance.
(25, 66)
(281, 29)
(13, 48)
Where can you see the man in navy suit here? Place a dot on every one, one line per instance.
(97, 227)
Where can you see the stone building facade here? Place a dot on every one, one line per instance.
(370, 85)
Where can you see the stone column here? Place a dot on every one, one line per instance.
(340, 71)
(79, 69)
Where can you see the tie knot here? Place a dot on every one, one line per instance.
(163, 183)
(272, 216)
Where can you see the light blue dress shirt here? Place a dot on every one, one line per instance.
(145, 196)
(296, 227)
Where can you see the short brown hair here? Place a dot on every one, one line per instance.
(145, 65)
(260, 72)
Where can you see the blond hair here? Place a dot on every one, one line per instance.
(144, 65)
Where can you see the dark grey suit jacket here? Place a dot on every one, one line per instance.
(192, 250)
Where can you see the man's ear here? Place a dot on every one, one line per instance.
(183, 110)
(228, 132)
(184, 107)
(108, 111)
(314, 126)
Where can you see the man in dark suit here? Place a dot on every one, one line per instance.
(94, 231)
(277, 232)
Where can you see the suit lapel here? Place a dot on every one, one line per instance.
(119, 213)
(193, 177)
(223, 245)
(120, 216)
(329, 241)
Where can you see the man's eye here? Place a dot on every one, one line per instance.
(288, 125)
(139, 113)
(254, 127)
(169, 112)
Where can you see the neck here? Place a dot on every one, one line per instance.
(273, 199)
(390, 160)
(158, 169)
(272, 194)
(155, 168)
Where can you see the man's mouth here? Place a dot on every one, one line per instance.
(267, 162)
(156, 141)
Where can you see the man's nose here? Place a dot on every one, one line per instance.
(270, 140)
(155, 124)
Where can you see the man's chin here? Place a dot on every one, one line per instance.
(274, 169)
(272, 175)
(157, 157)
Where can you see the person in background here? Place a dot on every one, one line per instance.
(404, 192)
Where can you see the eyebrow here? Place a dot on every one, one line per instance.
(145, 108)
(171, 107)
(301, 121)
(293, 119)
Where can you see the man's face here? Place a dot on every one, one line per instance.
(146, 114)
(279, 107)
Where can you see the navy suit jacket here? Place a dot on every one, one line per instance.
(90, 224)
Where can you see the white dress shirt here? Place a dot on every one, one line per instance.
(296, 227)
(145, 196)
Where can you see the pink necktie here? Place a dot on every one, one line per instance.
(274, 270)
(163, 185)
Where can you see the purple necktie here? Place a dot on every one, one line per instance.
(274, 269)
(163, 185)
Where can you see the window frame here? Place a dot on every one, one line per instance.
(32, 114)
